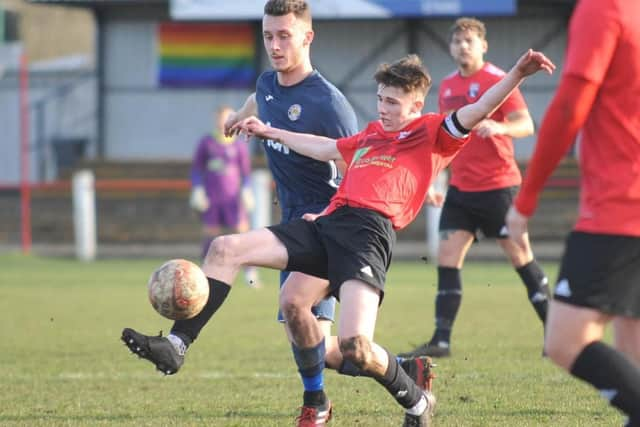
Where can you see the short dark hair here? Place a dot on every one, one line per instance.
(300, 8)
(407, 73)
(468, 24)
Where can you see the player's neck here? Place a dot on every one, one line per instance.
(295, 75)
(468, 69)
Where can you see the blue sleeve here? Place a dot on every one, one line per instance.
(342, 120)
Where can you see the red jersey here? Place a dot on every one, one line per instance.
(484, 163)
(390, 172)
(604, 49)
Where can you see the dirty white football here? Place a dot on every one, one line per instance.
(178, 290)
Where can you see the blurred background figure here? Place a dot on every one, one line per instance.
(484, 180)
(221, 187)
(599, 279)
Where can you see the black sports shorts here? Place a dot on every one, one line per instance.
(349, 243)
(475, 211)
(601, 271)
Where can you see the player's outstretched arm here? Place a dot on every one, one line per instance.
(529, 63)
(316, 147)
(248, 109)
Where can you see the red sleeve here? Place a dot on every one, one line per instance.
(446, 144)
(347, 146)
(562, 121)
(593, 36)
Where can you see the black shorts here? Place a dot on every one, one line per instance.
(601, 271)
(349, 243)
(475, 211)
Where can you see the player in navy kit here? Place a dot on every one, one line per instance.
(296, 97)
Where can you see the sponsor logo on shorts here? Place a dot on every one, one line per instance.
(367, 270)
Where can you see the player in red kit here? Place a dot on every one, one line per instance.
(599, 278)
(391, 165)
(484, 179)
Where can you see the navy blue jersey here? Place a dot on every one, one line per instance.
(312, 106)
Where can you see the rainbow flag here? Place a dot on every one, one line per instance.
(206, 55)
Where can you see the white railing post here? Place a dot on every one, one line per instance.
(433, 217)
(84, 214)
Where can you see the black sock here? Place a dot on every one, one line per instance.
(537, 287)
(314, 398)
(399, 384)
(447, 302)
(615, 376)
(189, 329)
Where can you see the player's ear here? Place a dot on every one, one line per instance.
(308, 37)
(485, 46)
(417, 106)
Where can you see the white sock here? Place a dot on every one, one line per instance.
(419, 407)
(177, 343)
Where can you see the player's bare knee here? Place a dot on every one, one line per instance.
(358, 351)
(291, 307)
(222, 251)
(518, 256)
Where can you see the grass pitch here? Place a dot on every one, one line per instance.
(63, 364)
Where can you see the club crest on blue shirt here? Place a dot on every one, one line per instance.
(294, 112)
(474, 88)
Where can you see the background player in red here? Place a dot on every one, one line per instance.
(391, 165)
(599, 279)
(484, 178)
(221, 185)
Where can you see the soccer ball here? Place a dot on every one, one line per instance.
(178, 290)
